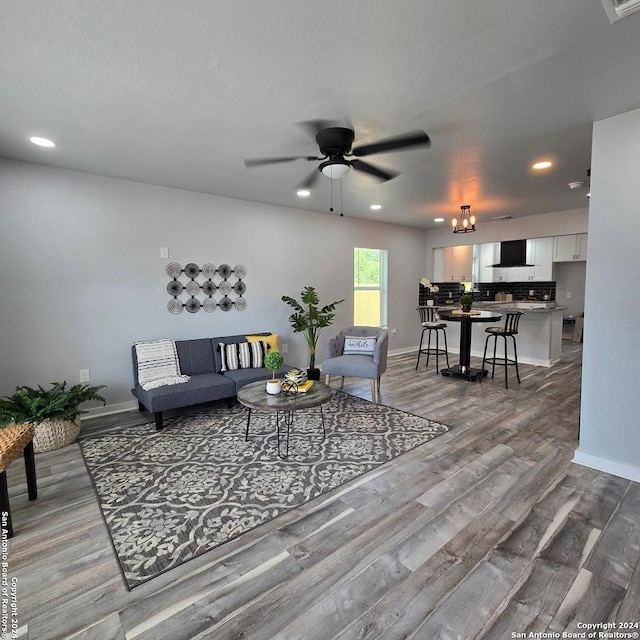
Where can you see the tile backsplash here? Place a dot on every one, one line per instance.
(487, 291)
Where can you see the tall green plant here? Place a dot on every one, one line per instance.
(59, 402)
(309, 319)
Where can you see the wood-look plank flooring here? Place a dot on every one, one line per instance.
(484, 532)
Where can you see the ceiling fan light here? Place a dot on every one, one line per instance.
(335, 169)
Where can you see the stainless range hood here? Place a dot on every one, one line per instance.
(513, 253)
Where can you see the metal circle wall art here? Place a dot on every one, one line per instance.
(207, 282)
(225, 304)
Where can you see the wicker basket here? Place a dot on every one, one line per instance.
(55, 434)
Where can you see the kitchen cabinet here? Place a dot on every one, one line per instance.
(570, 248)
(485, 255)
(458, 263)
(438, 265)
(540, 255)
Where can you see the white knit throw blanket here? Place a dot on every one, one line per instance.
(158, 364)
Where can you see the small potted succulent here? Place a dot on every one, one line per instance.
(273, 361)
(466, 300)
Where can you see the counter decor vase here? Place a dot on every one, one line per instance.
(465, 302)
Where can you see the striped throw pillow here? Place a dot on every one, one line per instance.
(242, 355)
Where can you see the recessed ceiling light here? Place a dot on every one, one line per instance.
(42, 142)
(375, 207)
(438, 219)
(545, 164)
(303, 193)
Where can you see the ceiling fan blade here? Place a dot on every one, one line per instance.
(381, 174)
(412, 139)
(310, 180)
(256, 162)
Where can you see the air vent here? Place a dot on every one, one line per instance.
(618, 9)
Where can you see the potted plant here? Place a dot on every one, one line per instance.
(310, 320)
(273, 361)
(466, 300)
(54, 412)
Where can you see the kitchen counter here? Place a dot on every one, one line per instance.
(520, 305)
(539, 333)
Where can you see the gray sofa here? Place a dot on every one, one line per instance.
(201, 360)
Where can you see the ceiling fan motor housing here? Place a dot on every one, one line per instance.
(335, 141)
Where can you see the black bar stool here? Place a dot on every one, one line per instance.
(510, 329)
(430, 323)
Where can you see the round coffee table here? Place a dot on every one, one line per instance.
(255, 397)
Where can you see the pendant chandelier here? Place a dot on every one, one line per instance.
(465, 222)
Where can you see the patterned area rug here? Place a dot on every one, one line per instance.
(170, 496)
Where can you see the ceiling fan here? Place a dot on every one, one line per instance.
(335, 146)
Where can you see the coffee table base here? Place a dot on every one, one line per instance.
(288, 422)
(469, 373)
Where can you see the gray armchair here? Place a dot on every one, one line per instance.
(336, 363)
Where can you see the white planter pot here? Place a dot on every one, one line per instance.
(274, 387)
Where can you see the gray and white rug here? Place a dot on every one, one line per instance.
(172, 495)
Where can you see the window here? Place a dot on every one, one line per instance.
(370, 287)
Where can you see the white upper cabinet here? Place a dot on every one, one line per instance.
(458, 262)
(570, 248)
(438, 265)
(540, 255)
(485, 255)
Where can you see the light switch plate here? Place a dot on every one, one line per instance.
(164, 253)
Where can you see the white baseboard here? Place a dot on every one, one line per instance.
(613, 467)
(109, 409)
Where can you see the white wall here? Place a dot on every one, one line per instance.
(81, 276)
(609, 433)
(540, 226)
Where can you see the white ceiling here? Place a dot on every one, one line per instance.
(179, 93)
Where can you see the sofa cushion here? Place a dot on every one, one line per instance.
(204, 387)
(241, 377)
(196, 356)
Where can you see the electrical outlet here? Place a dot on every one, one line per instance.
(164, 253)
(284, 347)
(530, 292)
(84, 375)
(393, 332)
(568, 294)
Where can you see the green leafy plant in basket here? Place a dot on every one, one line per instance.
(54, 412)
(309, 320)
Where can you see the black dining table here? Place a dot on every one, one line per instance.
(466, 320)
